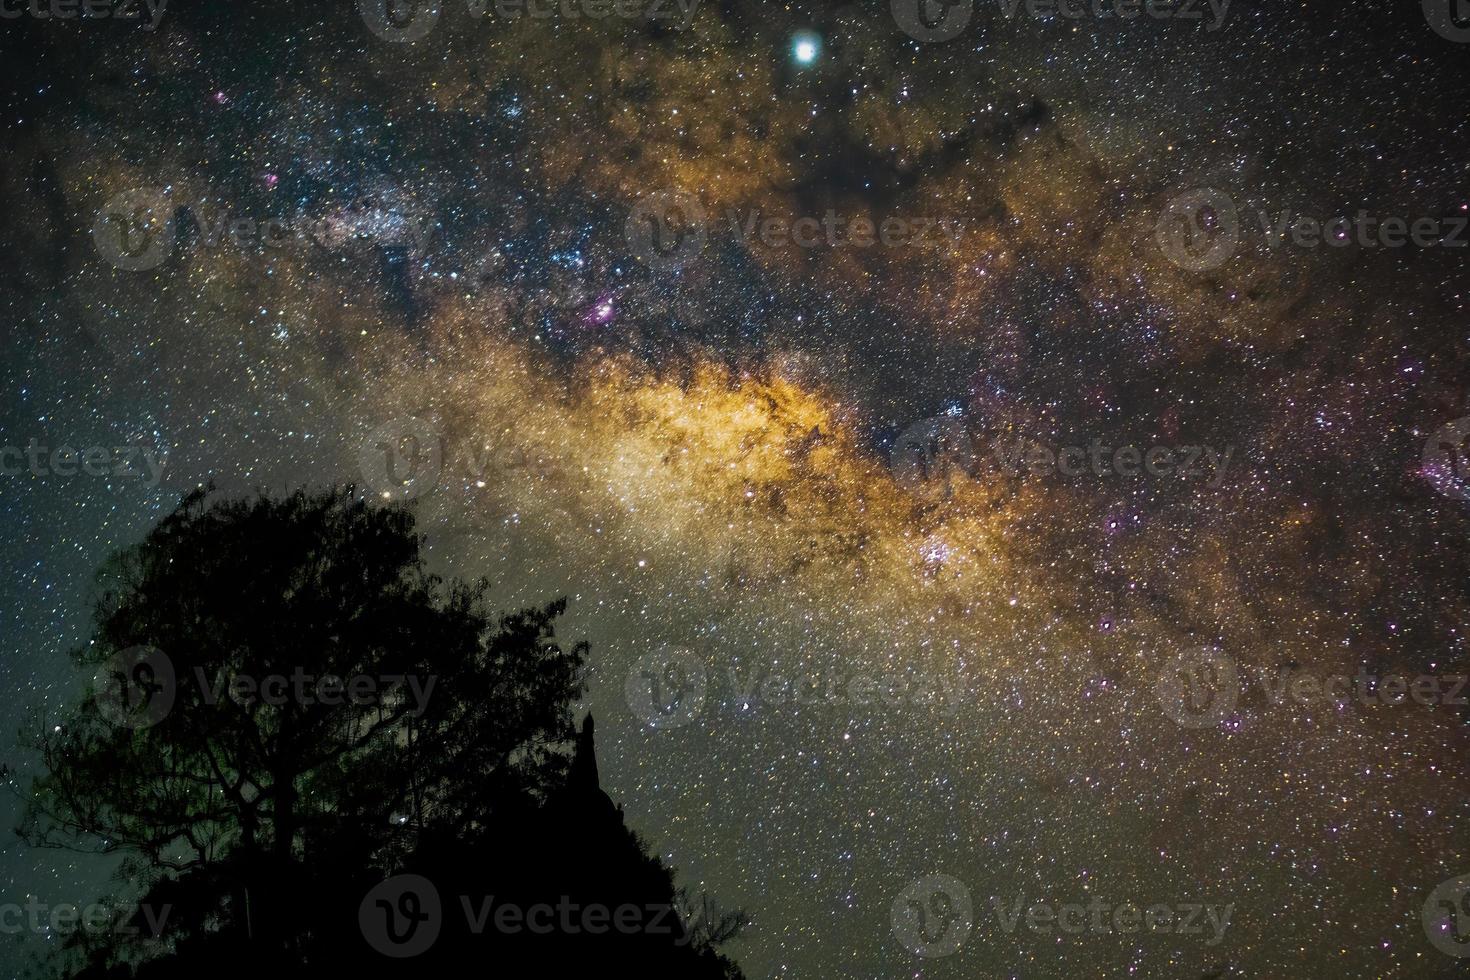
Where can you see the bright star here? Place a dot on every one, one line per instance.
(806, 47)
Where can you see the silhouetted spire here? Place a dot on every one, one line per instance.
(583, 778)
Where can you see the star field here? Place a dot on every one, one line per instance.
(703, 449)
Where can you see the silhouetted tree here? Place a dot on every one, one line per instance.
(288, 708)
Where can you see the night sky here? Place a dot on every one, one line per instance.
(660, 307)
